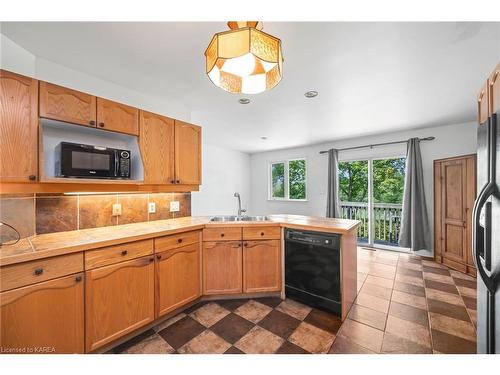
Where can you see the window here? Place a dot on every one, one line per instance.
(288, 180)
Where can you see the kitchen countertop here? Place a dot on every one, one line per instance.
(48, 245)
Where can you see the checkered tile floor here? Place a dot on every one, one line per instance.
(405, 304)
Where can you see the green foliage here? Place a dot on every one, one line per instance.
(278, 180)
(353, 181)
(297, 179)
(388, 180)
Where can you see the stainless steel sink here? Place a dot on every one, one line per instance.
(238, 218)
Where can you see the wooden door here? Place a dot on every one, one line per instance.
(118, 300)
(222, 267)
(187, 153)
(156, 140)
(18, 127)
(63, 104)
(261, 266)
(117, 117)
(47, 317)
(177, 278)
(454, 219)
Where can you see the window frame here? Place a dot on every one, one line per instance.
(286, 163)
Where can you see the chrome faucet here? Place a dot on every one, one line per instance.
(240, 210)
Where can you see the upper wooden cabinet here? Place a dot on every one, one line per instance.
(483, 105)
(18, 128)
(63, 104)
(117, 117)
(187, 153)
(494, 91)
(157, 148)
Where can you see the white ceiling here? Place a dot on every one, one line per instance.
(371, 77)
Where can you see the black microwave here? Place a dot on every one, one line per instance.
(86, 161)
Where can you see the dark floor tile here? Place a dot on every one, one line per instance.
(445, 343)
(393, 344)
(134, 340)
(323, 320)
(289, 348)
(470, 302)
(409, 272)
(233, 350)
(279, 323)
(232, 304)
(467, 283)
(447, 309)
(443, 287)
(409, 313)
(269, 301)
(342, 345)
(439, 271)
(181, 332)
(410, 288)
(232, 327)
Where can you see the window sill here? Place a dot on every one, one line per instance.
(286, 200)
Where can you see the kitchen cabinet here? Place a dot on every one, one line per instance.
(454, 195)
(118, 299)
(494, 92)
(222, 267)
(261, 266)
(46, 317)
(18, 128)
(64, 104)
(177, 278)
(187, 153)
(156, 140)
(117, 117)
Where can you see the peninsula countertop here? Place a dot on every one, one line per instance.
(48, 245)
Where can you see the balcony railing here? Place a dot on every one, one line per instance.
(386, 217)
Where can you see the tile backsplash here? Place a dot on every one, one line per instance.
(34, 214)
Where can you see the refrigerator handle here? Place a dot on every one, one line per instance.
(487, 236)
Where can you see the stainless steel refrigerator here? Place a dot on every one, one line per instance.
(486, 235)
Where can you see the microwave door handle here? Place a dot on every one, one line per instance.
(117, 164)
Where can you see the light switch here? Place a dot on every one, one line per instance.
(117, 209)
(151, 207)
(174, 206)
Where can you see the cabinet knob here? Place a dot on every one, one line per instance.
(38, 271)
(246, 244)
(151, 260)
(172, 181)
(101, 124)
(158, 257)
(78, 279)
(178, 181)
(179, 240)
(92, 122)
(124, 252)
(222, 234)
(32, 177)
(261, 233)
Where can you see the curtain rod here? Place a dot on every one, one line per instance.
(378, 144)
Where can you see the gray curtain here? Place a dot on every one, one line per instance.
(332, 203)
(415, 230)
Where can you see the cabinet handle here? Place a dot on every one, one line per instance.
(261, 233)
(92, 122)
(172, 181)
(237, 246)
(101, 124)
(78, 279)
(32, 177)
(178, 181)
(222, 234)
(152, 259)
(179, 240)
(38, 271)
(158, 257)
(124, 252)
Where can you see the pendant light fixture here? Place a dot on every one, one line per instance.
(244, 59)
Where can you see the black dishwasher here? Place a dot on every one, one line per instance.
(312, 269)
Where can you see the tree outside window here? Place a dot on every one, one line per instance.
(288, 180)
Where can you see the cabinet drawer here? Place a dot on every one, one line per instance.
(261, 233)
(117, 253)
(18, 275)
(176, 240)
(222, 234)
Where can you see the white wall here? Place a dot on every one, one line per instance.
(452, 140)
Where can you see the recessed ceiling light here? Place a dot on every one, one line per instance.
(244, 101)
(263, 137)
(311, 94)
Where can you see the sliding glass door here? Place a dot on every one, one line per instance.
(372, 191)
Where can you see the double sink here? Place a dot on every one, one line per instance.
(238, 218)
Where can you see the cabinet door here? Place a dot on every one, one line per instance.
(118, 300)
(222, 267)
(47, 316)
(117, 117)
(177, 278)
(454, 210)
(261, 266)
(63, 104)
(156, 141)
(18, 127)
(494, 92)
(187, 153)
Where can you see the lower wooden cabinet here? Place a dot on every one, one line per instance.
(222, 267)
(261, 266)
(177, 278)
(118, 299)
(43, 318)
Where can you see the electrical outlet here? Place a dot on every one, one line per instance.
(117, 209)
(174, 206)
(151, 207)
